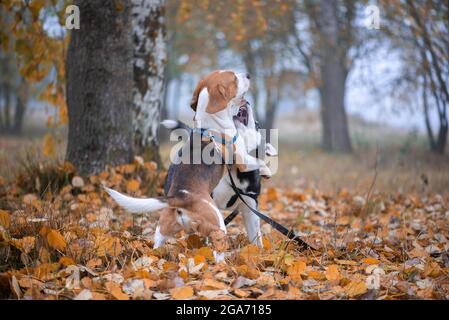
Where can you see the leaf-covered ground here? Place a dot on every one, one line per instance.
(75, 243)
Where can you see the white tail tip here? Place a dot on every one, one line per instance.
(170, 124)
(136, 205)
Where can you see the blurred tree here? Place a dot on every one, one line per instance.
(29, 55)
(14, 95)
(255, 30)
(327, 37)
(38, 56)
(150, 56)
(99, 86)
(420, 32)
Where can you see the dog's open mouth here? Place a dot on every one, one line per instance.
(242, 115)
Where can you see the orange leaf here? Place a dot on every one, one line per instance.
(356, 288)
(133, 185)
(4, 219)
(272, 194)
(56, 240)
(370, 260)
(206, 252)
(332, 273)
(250, 273)
(295, 270)
(115, 290)
(181, 293)
(66, 261)
(250, 254)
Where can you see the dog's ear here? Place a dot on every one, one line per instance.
(218, 98)
(270, 150)
(200, 86)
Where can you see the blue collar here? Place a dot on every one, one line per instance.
(208, 134)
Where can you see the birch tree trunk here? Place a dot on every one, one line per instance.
(99, 86)
(150, 56)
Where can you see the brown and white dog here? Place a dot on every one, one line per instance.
(248, 183)
(217, 100)
(188, 203)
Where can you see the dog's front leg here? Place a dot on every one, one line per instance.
(159, 238)
(251, 221)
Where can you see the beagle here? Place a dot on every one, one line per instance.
(249, 183)
(217, 99)
(188, 204)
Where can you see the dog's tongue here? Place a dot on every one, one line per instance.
(243, 102)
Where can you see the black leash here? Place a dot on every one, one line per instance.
(276, 225)
(231, 217)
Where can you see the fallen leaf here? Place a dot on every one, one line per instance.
(133, 185)
(181, 293)
(4, 219)
(84, 295)
(295, 270)
(333, 273)
(56, 240)
(356, 288)
(370, 260)
(213, 294)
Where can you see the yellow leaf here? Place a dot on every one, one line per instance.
(49, 148)
(356, 288)
(206, 252)
(4, 219)
(181, 293)
(56, 240)
(133, 185)
(332, 273)
(35, 7)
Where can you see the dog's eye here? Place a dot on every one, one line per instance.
(178, 211)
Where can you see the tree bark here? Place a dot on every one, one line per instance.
(99, 86)
(21, 106)
(150, 56)
(333, 75)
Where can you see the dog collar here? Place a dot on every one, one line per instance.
(218, 138)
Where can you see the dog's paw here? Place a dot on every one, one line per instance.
(219, 256)
(265, 172)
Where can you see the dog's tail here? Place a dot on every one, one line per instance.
(137, 205)
(175, 124)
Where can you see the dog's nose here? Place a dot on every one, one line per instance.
(248, 76)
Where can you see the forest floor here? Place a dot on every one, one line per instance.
(379, 218)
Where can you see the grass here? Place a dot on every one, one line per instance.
(404, 161)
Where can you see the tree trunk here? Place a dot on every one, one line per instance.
(99, 87)
(333, 75)
(21, 106)
(333, 113)
(442, 137)
(150, 57)
(425, 102)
